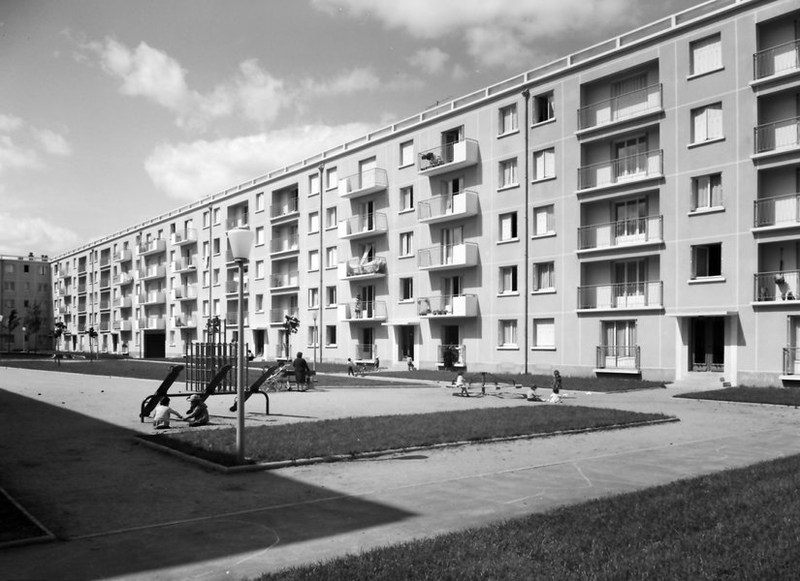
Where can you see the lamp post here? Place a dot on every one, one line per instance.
(314, 316)
(24, 339)
(240, 241)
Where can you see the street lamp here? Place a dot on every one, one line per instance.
(240, 241)
(24, 339)
(314, 316)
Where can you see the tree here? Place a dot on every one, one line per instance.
(59, 331)
(213, 328)
(33, 322)
(11, 323)
(290, 325)
(92, 336)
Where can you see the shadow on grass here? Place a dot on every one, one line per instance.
(760, 395)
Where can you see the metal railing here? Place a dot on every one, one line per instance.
(285, 279)
(365, 310)
(628, 295)
(632, 167)
(284, 244)
(364, 224)
(776, 60)
(360, 267)
(450, 204)
(285, 208)
(455, 152)
(777, 211)
(367, 180)
(621, 233)
(778, 135)
(622, 107)
(618, 357)
(776, 286)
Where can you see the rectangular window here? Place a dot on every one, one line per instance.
(259, 235)
(330, 296)
(544, 276)
(706, 261)
(508, 333)
(544, 333)
(508, 173)
(406, 153)
(206, 278)
(508, 279)
(313, 260)
(406, 288)
(508, 226)
(216, 244)
(312, 335)
(543, 220)
(706, 192)
(259, 303)
(407, 198)
(406, 243)
(330, 217)
(260, 202)
(215, 277)
(331, 178)
(544, 164)
(707, 123)
(706, 55)
(313, 298)
(330, 335)
(206, 219)
(543, 108)
(313, 184)
(216, 215)
(313, 222)
(259, 269)
(331, 257)
(508, 119)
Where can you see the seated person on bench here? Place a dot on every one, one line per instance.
(198, 411)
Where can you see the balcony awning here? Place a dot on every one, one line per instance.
(703, 313)
(400, 323)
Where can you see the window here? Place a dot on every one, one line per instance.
(259, 235)
(206, 219)
(312, 335)
(259, 303)
(330, 217)
(544, 164)
(508, 279)
(206, 277)
(508, 226)
(313, 298)
(508, 173)
(216, 244)
(406, 243)
(508, 333)
(543, 108)
(407, 198)
(216, 215)
(543, 221)
(313, 184)
(706, 192)
(508, 119)
(313, 260)
(216, 276)
(706, 261)
(259, 269)
(331, 178)
(706, 55)
(331, 296)
(544, 276)
(330, 335)
(406, 289)
(707, 123)
(331, 257)
(544, 333)
(206, 252)
(313, 222)
(260, 202)
(406, 153)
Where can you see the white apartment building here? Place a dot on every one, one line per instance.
(629, 208)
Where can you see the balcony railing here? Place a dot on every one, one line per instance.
(366, 353)
(776, 136)
(279, 315)
(641, 166)
(241, 221)
(82, 289)
(123, 302)
(152, 298)
(232, 287)
(151, 272)
(448, 157)
(285, 208)
(123, 278)
(777, 211)
(363, 269)
(152, 323)
(183, 265)
(448, 306)
(123, 255)
(621, 108)
(621, 233)
(105, 305)
(152, 247)
(285, 244)
(363, 183)
(184, 293)
(185, 236)
(448, 256)
(621, 357)
(451, 356)
(363, 225)
(776, 60)
(776, 286)
(105, 282)
(232, 318)
(628, 295)
(791, 360)
(449, 207)
(122, 325)
(363, 311)
(284, 280)
(183, 321)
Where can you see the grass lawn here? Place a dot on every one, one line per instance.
(353, 436)
(764, 395)
(740, 524)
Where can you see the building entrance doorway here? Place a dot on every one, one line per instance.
(155, 345)
(406, 342)
(708, 344)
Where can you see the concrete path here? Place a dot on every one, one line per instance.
(123, 511)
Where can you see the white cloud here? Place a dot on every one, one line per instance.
(52, 142)
(432, 61)
(189, 171)
(347, 83)
(14, 156)
(20, 235)
(10, 123)
(23, 150)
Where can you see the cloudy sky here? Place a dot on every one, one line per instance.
(114, 111)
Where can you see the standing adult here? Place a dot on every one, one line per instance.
(301, 371)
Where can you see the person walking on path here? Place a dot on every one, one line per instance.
(301, 371)
(162, 414)
(556, 397)
(351, 368)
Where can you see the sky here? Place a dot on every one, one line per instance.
(115, 111)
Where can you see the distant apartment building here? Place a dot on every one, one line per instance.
(25, 298)
(631, 208)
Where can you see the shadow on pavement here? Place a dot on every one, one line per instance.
(119, 508)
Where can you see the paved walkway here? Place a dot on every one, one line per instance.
(123, 511)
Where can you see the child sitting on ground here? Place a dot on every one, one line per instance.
(162, 414)
(198, 411)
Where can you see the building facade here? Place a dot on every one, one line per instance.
(26, 301)
(630, 208)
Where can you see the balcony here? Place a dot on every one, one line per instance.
(82, 289)
(618, 358)
(240, 221)
(185, 293)
(123, 255)
(123, 278)
(122, 325)
(123, 302)
(286, 209)
(445, 257)
(278, 316)
(634, 232)
(105, 261)
(152, 323)
(363, 226)
(777, 212)
(361, 269)
(285, 280)
(151, 272)
(104, 326)
(62, 291)
(777, 287)
(232, 318)
(448, 207)
(776, 137)
(623, 170)
(366, 311)
(447, 306)
(184, 237)
(448, 356)
(152, 298)
(285, 244)
(183, 322)
(105, 305)
(183, 265)
(105, 282)
(232, 287)
(62, 311)
(632, 296)
(777, 60)
(364, 183)
(448, 157)
(153, 247)
(638, 103)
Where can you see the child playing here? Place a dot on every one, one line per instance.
(162, 414)
(556, 397)
(198, 412)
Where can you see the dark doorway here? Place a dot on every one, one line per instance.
(708, 344)
(155, 345)
(406, 342)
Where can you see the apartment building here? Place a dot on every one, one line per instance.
(26, 300)
(631, 208)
